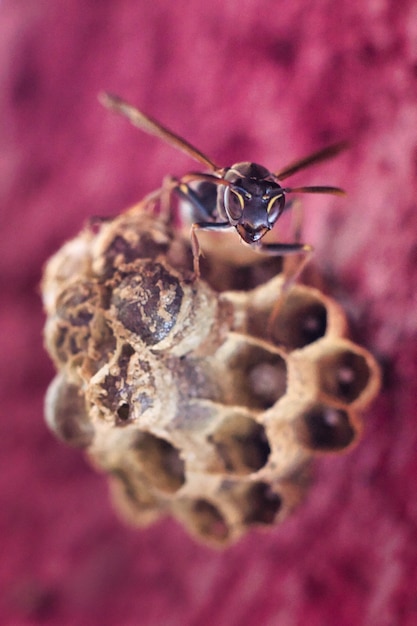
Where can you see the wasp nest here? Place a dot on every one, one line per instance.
(198, 399)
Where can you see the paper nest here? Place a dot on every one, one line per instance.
(198, 399)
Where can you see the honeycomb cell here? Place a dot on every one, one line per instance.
(257, 502)
(160, 462)
(124, 389)
(343, 374)
(205, 520)
(102, 345)
(242, 444)
(324, 429)
(259, 374)
(71, 263)
(132, 497)
(69, 330)
(130, 245)
(66, 413)
(147, 302)
(267, 381)
(114, 394)
(136, 492)
(300, 319)
(261, 504)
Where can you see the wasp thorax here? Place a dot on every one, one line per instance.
(205, 403)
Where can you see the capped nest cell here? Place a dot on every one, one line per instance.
(204, 399)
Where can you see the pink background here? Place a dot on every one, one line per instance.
(257, 80)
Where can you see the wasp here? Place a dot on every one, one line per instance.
(246, 196)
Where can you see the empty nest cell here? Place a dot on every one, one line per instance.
(325, 429)
(242, 444)
(299, 320)
(204, 520)
(159, 461)
(343, 374)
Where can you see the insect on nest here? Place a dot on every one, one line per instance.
(246, 196)
(205, 400)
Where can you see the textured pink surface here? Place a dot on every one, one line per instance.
(260, 80)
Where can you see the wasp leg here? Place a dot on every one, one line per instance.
(202, 200)
(163, 198)
(195, 246)
(292, 272)
(169, 186)
(281, 249)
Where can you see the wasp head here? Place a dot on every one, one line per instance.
(253, 203)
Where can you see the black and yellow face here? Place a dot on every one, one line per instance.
(253, 203)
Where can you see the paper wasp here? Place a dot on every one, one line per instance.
(245, 196)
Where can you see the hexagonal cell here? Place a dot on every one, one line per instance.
(133, 498)
(258, 376)
(325, 429)
(242, 444)
(122, 242)
(299, 320)
(113, 392)
(72, 261)
(133, 490)
(267, 380)
(343, 374)
(257, 502)
(261, 504)
(204, 519)
(123, 391)
(68, 332)
(147, 302)
(159, 461)
(103, 345)
(66, 413)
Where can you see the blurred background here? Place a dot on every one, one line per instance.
(260, 80)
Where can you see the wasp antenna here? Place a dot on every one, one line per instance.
(152, 127)
(337, 191)
(316, 157)
(210, 178)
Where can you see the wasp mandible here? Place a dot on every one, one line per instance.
(245, 196)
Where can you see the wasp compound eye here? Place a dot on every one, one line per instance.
(234, 204)
(275, 207)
